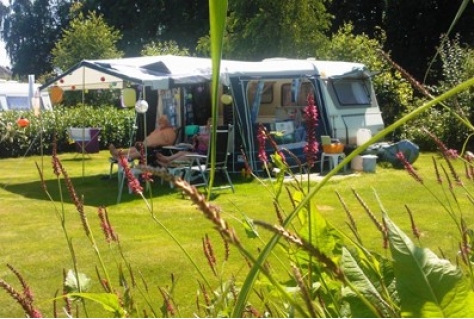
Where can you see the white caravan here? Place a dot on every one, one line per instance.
(272, 92)
(18, 96)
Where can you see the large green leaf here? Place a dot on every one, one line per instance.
(109, 302)
(316, 230)
(366, 287)
(427, 285)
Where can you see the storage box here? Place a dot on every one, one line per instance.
(369, 163)
(356, 163)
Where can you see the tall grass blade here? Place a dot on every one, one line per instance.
(217, 17)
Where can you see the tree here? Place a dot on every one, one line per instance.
(413, 28)
(86, 38)
(394, 94)
(259, 29)
(162, 48)
(457, 67)
(30, 29)
(141, 22)
(366, 16)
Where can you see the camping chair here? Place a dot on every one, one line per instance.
(177, 168)
(333, 154)
(151, 157)
(197, 174)
(82, 137)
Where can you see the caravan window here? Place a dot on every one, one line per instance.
(353, 92)
(18, 103)
(287, 99)
(266, 92)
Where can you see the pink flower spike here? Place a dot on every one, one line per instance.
(409, 168)
(261, 138)
(133, 183)
(311, 117)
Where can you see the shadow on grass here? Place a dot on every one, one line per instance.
(99, 190)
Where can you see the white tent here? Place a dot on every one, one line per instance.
(157, 72)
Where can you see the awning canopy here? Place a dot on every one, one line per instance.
(163, 72)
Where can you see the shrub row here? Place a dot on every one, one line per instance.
(115, 124)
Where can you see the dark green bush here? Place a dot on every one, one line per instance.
(116, 125)
(457, 61)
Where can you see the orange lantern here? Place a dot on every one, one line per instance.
(22, 122)
(56, 94)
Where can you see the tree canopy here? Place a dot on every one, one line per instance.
(413, 28)
(256, 29)
(30, 30)
(87, 37)
(261, 29)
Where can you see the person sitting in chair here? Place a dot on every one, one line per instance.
(163, 135)
(199, 146)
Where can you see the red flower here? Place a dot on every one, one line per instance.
(409, 168)
(261, 138)
(311, 117)
(133, 182)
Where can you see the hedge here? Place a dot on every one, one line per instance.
(116, 125)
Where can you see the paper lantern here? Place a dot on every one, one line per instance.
(129, 96)
(56, 94)
(141, 106)
(102, 78)
(22, 122)
(226, 99)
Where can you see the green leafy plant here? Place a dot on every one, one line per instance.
(15, 141)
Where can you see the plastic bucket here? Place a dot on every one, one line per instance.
(356, 163)
(369, 163)
(363, 135)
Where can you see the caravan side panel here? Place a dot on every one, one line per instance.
(351, 104)
(17, 96)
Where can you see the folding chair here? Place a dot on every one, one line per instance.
(82, 137)
(197, 174)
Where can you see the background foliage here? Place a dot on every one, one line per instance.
(457, 67)
(31, 28)
(87, 37)
(393, 92)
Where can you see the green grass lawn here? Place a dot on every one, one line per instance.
(32, 241)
